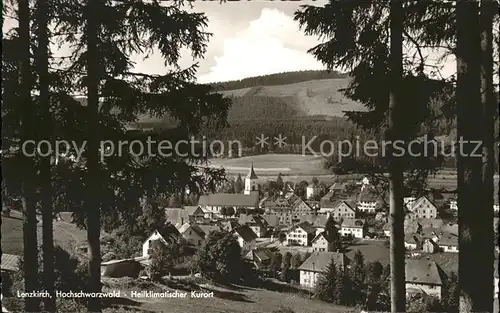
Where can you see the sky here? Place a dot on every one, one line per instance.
(249, 39)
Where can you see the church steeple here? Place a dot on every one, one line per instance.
(250, 181)
(251, 173)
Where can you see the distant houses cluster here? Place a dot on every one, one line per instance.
(287, 220)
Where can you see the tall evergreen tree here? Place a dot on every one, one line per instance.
(238, 185)
(488, 102)
(27, 122)
(42, 69)
(396, 217)
(470, 178)
(327, 282)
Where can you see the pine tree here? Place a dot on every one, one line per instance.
(238, 185)
(28, 174)
(326, 285)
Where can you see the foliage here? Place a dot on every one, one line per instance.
(67, 276)
(296, 261)
(220, 258)
(238, 185)
(281, 237)
(276, 262)
(287, 260)
(326, 286)
(162, 260)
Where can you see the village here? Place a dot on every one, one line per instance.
(285, 223)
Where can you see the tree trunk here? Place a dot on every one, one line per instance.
(28, 177)
(397, 249)
(488, 9)
(474, 265)
(45, 174)
(93, 165)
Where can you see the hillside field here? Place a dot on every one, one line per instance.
(66, 235)
(296, 168)
(314, 97)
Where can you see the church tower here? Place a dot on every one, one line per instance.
(251, 181)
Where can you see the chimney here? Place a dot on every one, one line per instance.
(182, 220)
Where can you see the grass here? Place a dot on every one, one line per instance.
(66, 235)
(297, 167)
(237, 299)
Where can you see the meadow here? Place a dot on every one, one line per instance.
(297, 167)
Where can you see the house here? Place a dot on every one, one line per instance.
(289, 209)
(300, 234)
(195, 214)
(423, 277)
(355, 227)
(337, 188)
(213, 203)
(327, 203)
(299, 208)
(260, 257)
(245, 237)
(312, 191)
(344, 210)
(192, 234)
(453, 205)
(317, 220)
(208, 228)
(315, 265)
(367, 200)
(440, 242)
(251, 182)
(409, 202)
(185, 215)
(10, 262)
(424, 208)
(229, 225)
(321, 243)
(412, 242)
(163, 234)
(255, 222)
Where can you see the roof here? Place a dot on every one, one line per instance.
(315, 219)
(246, 233)
(320, 235)
(353, 222)
(252, 219)
(337, 187)
(229, 199)
(207, 228)
(368, 195)
(10, 262)
(229, 225)
(177, 215)
(447, 239)
(167, 231)
(263, 254)
(319, 261)
(191, 209)
(422, 271)
(251, 173)
(272, 220)
(422, 199)
(306, 226)
(350, 204)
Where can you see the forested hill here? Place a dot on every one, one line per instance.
(277, 79)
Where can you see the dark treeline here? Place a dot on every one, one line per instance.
(277, 79)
